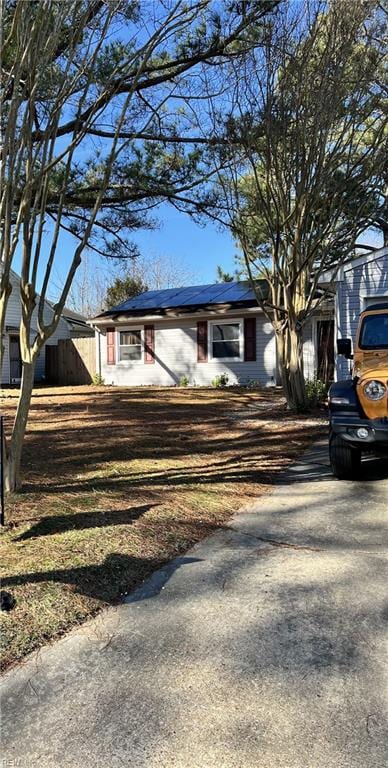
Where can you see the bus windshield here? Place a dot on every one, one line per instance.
(374, 332)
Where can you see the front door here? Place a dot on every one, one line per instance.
(15, 360)
(325, 347)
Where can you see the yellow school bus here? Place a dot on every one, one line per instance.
(358, 406)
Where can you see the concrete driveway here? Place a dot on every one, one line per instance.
(263, 647)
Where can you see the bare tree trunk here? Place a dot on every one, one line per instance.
(295, 372)
(289, 346)
(281, 357)
(15, 446)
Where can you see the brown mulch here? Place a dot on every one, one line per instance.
(116, 481)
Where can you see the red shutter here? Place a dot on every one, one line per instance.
(249, 338)
(149, 343)
(111, 346)
(202, 341)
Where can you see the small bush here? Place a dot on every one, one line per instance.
(97, 380)
(253, 384)
(316, 391)
(220, 381)
(183, 381)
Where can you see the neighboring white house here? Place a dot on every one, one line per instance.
(197, 332)
(359, 283)
(69, 326)
(78, 324)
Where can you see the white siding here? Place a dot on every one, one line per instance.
(13, 321)
(309, 356)
(176, 356)
(359, 284)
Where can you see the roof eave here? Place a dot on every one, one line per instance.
(158, 313)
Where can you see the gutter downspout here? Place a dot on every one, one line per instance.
(98, 344)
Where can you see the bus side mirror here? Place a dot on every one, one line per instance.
(344, 347)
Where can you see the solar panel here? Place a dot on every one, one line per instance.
(190, 295)
(195, 295)
(240, 292)
(175, 297)
(149, 299)
(207, 295)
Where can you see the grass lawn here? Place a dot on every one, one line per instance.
(117, 481)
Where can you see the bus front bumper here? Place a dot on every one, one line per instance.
(365, 434)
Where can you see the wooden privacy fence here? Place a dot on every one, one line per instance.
(71, 361)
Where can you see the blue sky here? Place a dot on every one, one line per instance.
(198, 248)
(201, 248)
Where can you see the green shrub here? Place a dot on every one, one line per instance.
(97, 380)
(183, 381)
(253, 384)
(316, 391)
(220, 381)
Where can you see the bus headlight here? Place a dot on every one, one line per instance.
(374, 390)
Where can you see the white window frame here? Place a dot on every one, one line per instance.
(118, 345)
(224, 321)
(376, 298)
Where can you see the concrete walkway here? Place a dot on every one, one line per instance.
(262, 648)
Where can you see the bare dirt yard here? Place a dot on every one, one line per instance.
(117, 481)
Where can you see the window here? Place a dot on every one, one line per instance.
(130, 345)
(374, 332)
(226, 341)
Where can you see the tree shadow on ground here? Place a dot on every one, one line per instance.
(49, 526)
(372, 468)
(222, 467)
(105, 581)
(301, 650)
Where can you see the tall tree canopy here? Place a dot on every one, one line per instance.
(306, 171)
(99, 124)
(123, 288)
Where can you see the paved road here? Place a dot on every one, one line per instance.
(262, 648)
